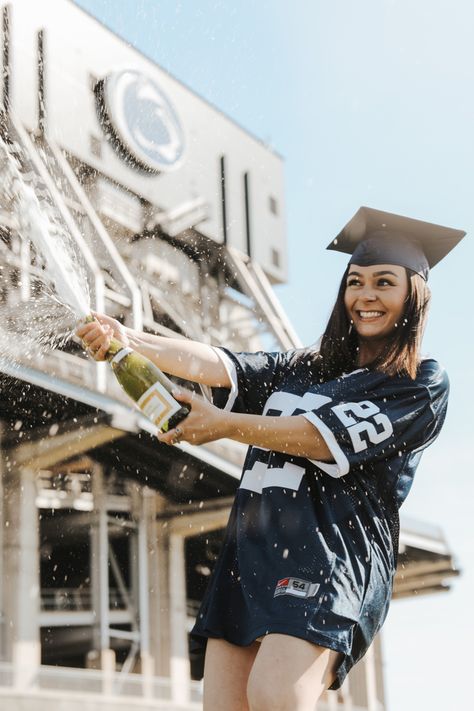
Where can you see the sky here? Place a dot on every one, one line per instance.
(370, 103)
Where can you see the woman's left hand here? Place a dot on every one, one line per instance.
(205, 422)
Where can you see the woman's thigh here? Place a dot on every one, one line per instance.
(226, 671)
(290, 673)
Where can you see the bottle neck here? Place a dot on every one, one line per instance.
(114, 348)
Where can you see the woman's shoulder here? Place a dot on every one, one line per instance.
(432, 374)
(431, 382)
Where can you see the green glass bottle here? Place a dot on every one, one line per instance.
(147, 385)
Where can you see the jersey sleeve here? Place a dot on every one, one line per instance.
(375, 417)
(253, 377)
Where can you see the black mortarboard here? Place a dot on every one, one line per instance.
(376, 237)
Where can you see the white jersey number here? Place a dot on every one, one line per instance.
(290, 475)
(374, 430)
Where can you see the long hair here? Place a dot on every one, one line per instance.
(340, 344)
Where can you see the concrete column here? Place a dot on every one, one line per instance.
(370, 681)
(159, 593)
(379, 668)
(179, 657)
(147, 558)
(21, 573)
(345, 695)
(133, 557)
(332, 704)
(2, 499)
(99, 563)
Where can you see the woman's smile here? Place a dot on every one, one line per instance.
(370, 315)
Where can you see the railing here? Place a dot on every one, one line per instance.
(56, 599)
(80, 599)
(255, 284)
(109, 690)
(69, 684)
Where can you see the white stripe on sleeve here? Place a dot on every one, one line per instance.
(231, 371)
(341, 465)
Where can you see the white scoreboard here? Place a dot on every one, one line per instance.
(143, 132)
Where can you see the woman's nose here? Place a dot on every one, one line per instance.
(368, 294)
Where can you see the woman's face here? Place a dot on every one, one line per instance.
(375, 299)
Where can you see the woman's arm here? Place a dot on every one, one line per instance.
(290, 435)
(184, 358)
(200, 363)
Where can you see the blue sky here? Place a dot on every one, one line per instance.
(370, 103)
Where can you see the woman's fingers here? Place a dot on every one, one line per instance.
(96, 338)
(99, 348)
(183, 396)
(92, 331)
(171, 437)
(180, 432)
(84, 329)
(104, 321)
(203, 424)
(98, 341)
(108, 322)
(100, 322)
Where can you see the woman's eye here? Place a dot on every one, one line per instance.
(353, 282)
(384, 282)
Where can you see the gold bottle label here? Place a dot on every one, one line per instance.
(158, 405)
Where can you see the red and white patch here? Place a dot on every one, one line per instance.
(297, 587)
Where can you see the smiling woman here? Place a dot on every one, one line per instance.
(327, 535)
(304, 577)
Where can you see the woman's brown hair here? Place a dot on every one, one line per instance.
(339, 344)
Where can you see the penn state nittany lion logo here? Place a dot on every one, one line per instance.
(140, 121)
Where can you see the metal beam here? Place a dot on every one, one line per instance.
(208, 505)
(423, 581)
(255, 284)
(408, 570)
(43, 453)
(122, 416)
(422, 591)
(80, 618)
(414, 539)
(196, 523)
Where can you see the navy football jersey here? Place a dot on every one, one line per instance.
(310, 547)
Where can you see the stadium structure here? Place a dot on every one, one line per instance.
(108, 538)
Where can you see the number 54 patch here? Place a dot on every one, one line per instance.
(295, 586)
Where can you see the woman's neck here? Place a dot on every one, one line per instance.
(370, 351)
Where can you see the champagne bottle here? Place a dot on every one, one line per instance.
(146, 384)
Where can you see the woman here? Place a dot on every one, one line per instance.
(304, 578)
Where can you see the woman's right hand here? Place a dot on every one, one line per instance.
(96, 335)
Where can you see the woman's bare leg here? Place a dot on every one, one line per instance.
(290, 674)
(226, 671)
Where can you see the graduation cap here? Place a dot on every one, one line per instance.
(377, 237)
